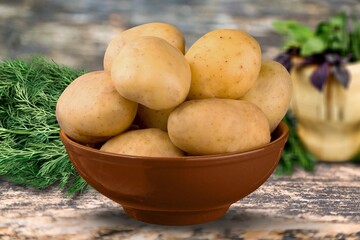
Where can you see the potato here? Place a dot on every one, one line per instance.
(213, 126)
(224, 64)
(150, 118)
(152, 72)
(165, 31)
(90, 110)
(272, 92)
(150, 142)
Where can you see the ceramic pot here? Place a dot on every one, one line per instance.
(328, 120)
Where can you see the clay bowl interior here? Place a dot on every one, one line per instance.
(177, 191)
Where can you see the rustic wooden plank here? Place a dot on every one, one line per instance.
(321, 205)
(67, 33)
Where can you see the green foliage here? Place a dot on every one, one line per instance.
(355, 40)
(299, 36)
(339, 35)
(294, 153)
(31, 152)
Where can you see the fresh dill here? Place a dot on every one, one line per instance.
(31, 152)
(294, 154)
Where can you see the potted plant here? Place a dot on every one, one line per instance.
(325, 69)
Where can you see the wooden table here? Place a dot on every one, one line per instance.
(320, 205)
(76, 33)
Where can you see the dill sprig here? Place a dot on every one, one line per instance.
(294, 153)
(31, 152)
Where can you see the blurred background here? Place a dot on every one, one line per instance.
(76, 32)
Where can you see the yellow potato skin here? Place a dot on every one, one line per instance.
(152, 72)
(166, 31)
(215, 126)
(224, 63)
(272, 92)
(150, 142)
(90, 110)
(150, 118)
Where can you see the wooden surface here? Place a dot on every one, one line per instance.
(77, 32)
(320, 205)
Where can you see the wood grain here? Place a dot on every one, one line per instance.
(320, 205)
(76, 33)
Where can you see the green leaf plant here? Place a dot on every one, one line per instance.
(294, 153)
(31, 152)
(330, 45)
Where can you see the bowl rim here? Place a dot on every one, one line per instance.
(282, 127)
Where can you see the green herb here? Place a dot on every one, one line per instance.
(299, 36)
(337, 35)
(31, 152)
(355, 39)
(331, 45)
(294, 153)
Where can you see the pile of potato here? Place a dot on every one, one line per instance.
(155, 99)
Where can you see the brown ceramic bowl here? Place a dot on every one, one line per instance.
(177, 191)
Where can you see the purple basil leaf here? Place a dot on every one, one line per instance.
(342, 75)
(320, 75)
(285, 60)
(307, 61)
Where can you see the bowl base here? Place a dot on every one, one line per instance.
(176, 218)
